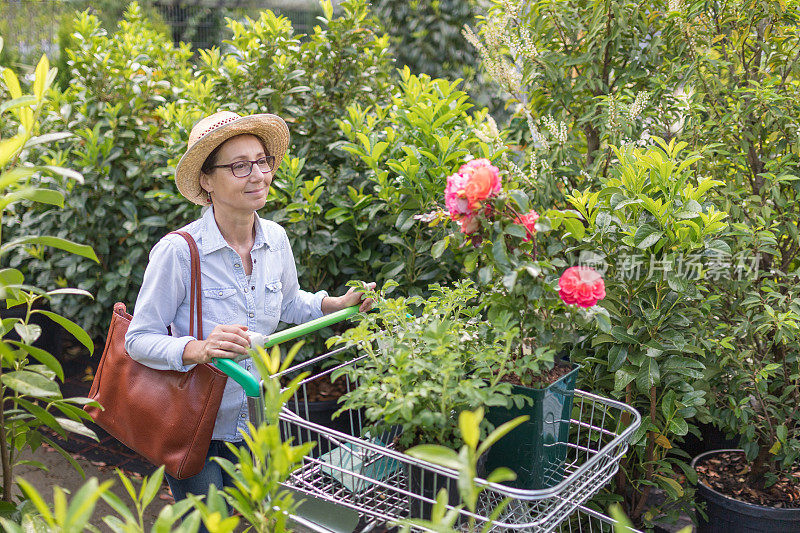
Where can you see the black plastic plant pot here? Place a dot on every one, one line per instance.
(535, 450)
(729, 515)
(422, 482)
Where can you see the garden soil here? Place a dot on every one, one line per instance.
(727, 473)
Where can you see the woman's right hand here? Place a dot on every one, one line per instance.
(226, 341)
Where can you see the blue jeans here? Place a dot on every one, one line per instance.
(211, 474)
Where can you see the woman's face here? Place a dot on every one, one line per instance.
(238, 194)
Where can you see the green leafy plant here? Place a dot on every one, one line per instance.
(745, 100)
(578, 78)
(116, 83)
(427, 360)
(465, 463)
(28, 384)
(426, 36)
(260, 467)
(410, 145)
(653, 227)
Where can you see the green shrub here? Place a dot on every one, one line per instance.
(579, 77)
(654, 228)
(745, 103)
(410, 146)
(426, 36)
(117, 83)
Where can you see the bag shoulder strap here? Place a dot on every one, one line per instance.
(195, 287)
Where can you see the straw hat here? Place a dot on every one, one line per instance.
(214, 130)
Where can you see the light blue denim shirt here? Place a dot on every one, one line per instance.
(272, 294)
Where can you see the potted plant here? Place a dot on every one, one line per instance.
(755, 387)
(427, 360)
(521, 280)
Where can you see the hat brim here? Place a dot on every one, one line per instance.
(271, 129)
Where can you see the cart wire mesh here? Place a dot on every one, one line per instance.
(357, 467)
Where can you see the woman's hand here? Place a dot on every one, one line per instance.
(226, 341)
(331, 304)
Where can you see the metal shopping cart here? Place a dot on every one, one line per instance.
(354, 475)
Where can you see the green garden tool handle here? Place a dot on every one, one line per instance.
(244, 378)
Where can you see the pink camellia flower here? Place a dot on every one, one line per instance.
(581, 285)
(529, 221)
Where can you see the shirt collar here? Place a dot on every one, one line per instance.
(212, 240)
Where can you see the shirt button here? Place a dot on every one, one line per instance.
(253, 288)
(220, 293)
(237, 265)
(251, 315)
(243, 415)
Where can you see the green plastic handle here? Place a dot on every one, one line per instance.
(244, 378)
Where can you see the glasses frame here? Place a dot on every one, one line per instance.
(270, 160)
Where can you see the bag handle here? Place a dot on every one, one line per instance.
(195, 292)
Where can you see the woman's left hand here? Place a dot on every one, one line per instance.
(352, 297)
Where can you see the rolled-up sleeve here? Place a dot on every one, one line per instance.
(298, 305)
(162, 292)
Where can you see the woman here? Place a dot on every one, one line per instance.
(249, 279)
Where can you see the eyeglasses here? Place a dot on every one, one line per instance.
(242, 169)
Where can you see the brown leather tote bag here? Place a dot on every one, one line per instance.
(164, 415)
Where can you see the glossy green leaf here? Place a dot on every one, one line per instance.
(469, 424)
(31, 384)
(15, 176)
(151, 486)
(40, 77)
(83, 503)
(34, 496)
(43, 357)
(26, 100)
(43, 415)
(10, 147)
(55, 242)
(47, 137)
(619, 333)
(646, 236)
(12, 83)
(433, 453)
(500, 432)
(70, 326)
(42, 196)
(438, 248)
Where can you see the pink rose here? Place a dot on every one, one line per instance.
(528, 220)
(483, 180)
(472, 184)
(454, 199)
(581, 285)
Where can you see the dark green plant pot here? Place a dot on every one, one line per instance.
(537, 449)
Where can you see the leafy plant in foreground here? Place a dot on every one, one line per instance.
(28, 375)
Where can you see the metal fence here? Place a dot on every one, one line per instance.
(30, 27)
